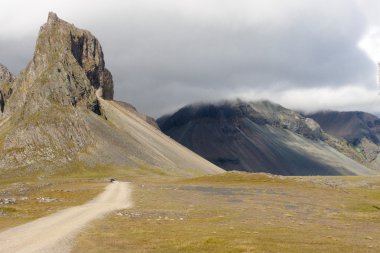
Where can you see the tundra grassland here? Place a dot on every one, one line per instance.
(241, 212)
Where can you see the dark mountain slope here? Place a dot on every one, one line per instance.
(260, 137)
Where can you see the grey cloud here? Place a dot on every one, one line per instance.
(16, 53)
(162, 59)
(180, 61)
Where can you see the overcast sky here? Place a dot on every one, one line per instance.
(163, 54)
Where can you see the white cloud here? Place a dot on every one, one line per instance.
(371, 43)
(323, 98)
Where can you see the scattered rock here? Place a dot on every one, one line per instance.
(153, 215)
(47, 200)
(129, 215)
(11, 201)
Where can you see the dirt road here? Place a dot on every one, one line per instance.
(55, 232)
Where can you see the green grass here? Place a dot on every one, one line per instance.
(237, 178)
(8, 210)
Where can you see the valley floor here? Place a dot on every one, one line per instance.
(238, 212)
(230, 212)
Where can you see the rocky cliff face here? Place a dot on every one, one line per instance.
(43, 118)
(6, 80)
(5, 75)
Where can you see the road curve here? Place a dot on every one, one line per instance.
(54, 233)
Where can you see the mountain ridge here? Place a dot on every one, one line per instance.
(260, 137)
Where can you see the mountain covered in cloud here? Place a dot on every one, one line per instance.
(261, 137)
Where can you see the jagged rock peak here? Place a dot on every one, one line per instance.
(80, 44)
(67, 69)
(5, 74)
(52, 17)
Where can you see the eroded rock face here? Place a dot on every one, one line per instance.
(6, 80)
(5, 75)
(46, 138)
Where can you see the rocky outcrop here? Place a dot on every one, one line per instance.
(5, 75)
(67, 69)
(6, 80)
(52, 137)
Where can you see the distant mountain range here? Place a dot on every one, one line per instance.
(360, 129)
(266, 137)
